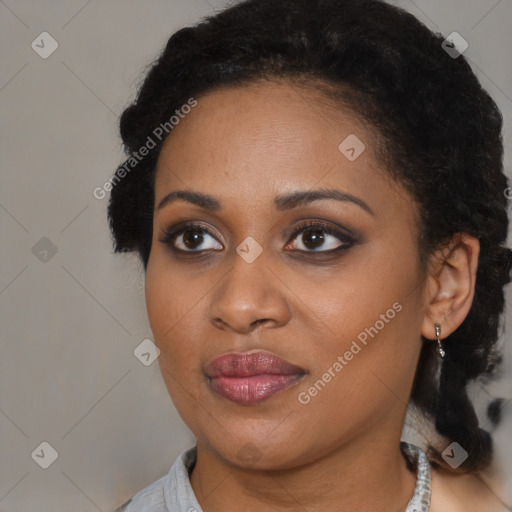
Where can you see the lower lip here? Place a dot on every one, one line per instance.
(252, 390)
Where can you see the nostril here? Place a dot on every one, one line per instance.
(218, 322)
(256, 323)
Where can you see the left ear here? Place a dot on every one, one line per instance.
(450, 285)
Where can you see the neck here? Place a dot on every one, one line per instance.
(367, 474)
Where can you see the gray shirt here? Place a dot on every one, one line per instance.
(173, 492)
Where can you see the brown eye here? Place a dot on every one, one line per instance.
(313, 239)
(319, 239)
(191, 238)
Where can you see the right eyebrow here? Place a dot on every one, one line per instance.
(203, 200)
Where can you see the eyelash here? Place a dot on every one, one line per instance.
(347, 241)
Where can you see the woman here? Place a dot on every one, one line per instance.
(315, 190)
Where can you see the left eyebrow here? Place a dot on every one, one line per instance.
(295, 199)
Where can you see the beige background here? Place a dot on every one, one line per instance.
(70, 323)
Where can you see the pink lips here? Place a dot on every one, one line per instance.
(251, 377)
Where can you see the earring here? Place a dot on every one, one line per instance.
(440, 351)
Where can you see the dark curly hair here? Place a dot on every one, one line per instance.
(444, 144)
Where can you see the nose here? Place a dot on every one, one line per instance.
(249, 296)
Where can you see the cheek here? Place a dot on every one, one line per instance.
(174, 311)
(353, 295)
(372, 314)
(172, 305)
(160, 298)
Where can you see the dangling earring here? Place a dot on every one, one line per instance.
(440, 351)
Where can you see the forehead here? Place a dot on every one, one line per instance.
(267, 139)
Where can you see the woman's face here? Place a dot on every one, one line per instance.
(298, 262)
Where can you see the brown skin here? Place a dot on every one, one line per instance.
(340, 452)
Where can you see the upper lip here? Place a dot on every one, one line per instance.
(248, 364)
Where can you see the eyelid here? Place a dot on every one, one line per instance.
(169, 234)
(346, 236)
(330, 227)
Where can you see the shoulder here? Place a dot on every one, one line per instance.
(150, 499)
(169, 493)
(459, 493)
